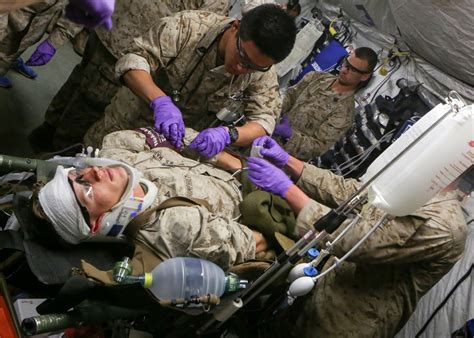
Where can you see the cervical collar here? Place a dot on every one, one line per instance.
(68, 220)
(113, 223)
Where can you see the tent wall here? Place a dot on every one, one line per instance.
(438, 34)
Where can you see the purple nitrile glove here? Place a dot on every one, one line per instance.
(283, 129)
(268, 177)
(42, 55)
(168, 120)
(271, 151)
(211, 141)
(91, 13)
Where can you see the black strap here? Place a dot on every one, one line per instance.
(10, 239)
(450, 293)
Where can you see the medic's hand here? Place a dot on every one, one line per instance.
(271, 151)
(283, 129)
(42, 55)
(168, 120)
(211, 141)
(91, 13)
(268, 177)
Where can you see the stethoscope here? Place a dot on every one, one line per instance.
(237, 96)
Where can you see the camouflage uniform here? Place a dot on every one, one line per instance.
(181, 54)
(375, 291)
(23, 28)
(182, 230)
(318, 116)
(92, 85)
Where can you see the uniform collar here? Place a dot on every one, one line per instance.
(326, 83)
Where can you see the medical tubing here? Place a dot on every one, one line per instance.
(281, 266)
(325, 225)
(329, 245)
(247, 295)
(382, 221)
(389, 164)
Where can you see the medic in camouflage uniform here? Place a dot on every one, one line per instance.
(23, 28)
(373, 293)
(319, 109)
(182, 230)
(92, 84)
(200, 55)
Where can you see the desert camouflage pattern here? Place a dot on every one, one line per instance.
(318, 116)
(81, 101)
(133, 18)
(23, 28)
(170, 51)
(187, 231)
(82, 98)
(375, 291)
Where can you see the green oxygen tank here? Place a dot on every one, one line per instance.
(44, 170)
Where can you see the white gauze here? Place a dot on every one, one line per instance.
(59, 203)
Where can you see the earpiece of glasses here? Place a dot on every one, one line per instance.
(346, 63)
(245, 61)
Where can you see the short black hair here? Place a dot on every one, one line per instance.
(293, 6)
(367, 54)
(271, 29)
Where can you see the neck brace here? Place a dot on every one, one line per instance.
(68, 220)
(114, 222)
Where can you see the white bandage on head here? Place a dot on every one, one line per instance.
(60, 205)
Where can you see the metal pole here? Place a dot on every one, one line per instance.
(292, 256)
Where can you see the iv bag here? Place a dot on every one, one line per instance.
(438, 158)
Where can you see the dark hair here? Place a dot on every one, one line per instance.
(367, 54)
(271, 29)
(293, 6)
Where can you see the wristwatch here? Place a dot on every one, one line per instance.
(233, 134)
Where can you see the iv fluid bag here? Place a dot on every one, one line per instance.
(429, 166)
(184, 277)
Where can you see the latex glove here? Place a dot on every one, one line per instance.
(271, 151)
(211, 141)
(42, 55)
(283, 129)
(168, 120)
(268, 177)
(91, 13)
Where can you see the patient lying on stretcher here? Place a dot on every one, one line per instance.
(103, 199)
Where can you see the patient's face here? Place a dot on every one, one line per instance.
(99, 188)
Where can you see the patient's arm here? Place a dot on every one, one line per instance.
(228, 161)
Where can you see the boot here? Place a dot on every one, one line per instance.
(5, 82)
(20, 67)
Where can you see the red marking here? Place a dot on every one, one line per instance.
(471, 143)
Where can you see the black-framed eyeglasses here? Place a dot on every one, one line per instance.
(245, 60)
(347, 64)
